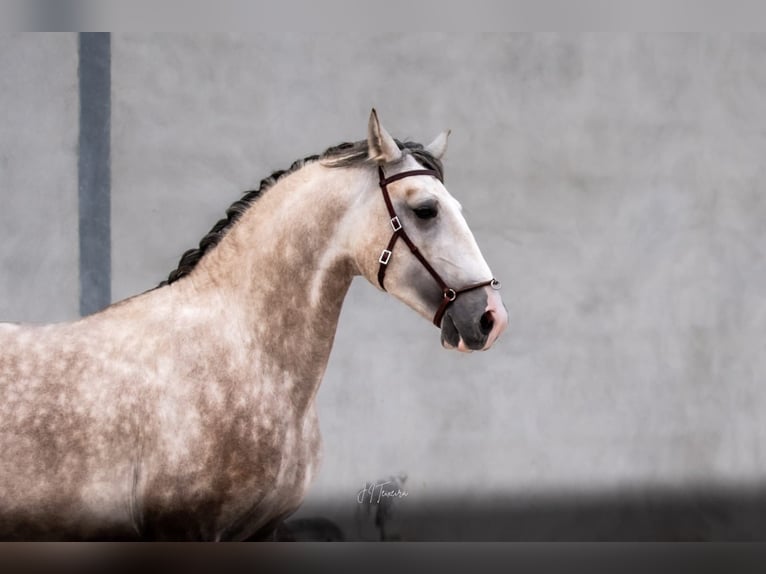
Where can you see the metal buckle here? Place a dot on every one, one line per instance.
(384, 257)
(449, 294)
(495, 284)
(395, 223)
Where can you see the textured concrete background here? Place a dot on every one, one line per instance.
(38, 177)
(614, 183)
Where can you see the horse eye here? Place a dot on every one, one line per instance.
(427, 212)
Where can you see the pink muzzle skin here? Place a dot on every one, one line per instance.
(499, 315)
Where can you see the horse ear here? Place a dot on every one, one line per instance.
(383, 148)
(437, 147)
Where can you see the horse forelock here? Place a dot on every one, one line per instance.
(347, 154)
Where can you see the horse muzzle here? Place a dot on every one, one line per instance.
(474, 321)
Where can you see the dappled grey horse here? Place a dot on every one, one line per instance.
(188, 412)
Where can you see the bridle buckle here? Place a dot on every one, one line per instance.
(384, 257)
(396, 225)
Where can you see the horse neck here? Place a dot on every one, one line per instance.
(283, 271)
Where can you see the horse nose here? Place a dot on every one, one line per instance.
(475, 321)
(486, 322)
(494, 320)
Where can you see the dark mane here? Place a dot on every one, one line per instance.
(342, 155)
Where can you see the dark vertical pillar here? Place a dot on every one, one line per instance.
(94, 171)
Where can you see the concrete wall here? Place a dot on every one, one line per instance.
(38, 177)
(614, 182)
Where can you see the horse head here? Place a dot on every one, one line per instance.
(418, 246)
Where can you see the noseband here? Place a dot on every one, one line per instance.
(449, 294)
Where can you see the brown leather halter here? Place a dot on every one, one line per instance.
(449, 294)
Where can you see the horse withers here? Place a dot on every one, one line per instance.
(188, 412)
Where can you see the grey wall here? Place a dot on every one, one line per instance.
(38, 177)
(614, 183)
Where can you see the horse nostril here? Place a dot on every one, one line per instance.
(486, 322)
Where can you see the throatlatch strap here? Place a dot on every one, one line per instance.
(397, 227)
(383, 266)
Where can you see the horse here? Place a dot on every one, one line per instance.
(188, 412)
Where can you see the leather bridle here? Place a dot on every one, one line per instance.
(449, 294)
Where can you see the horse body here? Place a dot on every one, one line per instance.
(188, 411)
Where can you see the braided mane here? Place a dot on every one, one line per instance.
(346, 154)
